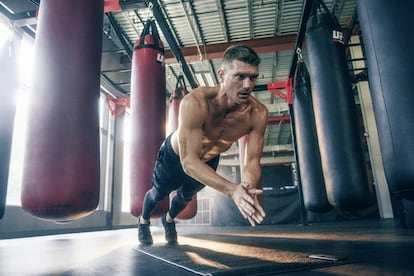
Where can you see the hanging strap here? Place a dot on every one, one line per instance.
(301, 74)
(318, 5)
(180, 82)
(325, 17)
(179, 89)
(149, 29)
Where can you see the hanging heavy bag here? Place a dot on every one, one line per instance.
(148, 113)
(336, 120)
(311, 174)
(61, 168)
(173, 110)
(386, 32)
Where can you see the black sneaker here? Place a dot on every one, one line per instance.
(144, 233)
(170, 232)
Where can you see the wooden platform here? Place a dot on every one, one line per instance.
(375, 247)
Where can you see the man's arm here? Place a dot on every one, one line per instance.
(254, 148)
(190, 134)
(251, 170)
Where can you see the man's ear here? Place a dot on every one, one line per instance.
(220, 74)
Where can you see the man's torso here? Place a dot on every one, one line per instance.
(220, 131)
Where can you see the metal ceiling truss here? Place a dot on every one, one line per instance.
(169, 35)
(195, 34)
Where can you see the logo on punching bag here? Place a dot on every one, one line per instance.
(161, 59)
(338, 36)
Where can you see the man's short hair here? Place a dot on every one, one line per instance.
(242, 53)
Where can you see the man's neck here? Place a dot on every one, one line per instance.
(223, 104)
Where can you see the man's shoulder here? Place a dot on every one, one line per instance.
(260, 112)
(205, 91)
(202, 94)
(199, 97)
(257, 104)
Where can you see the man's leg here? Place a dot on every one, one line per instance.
(177, 205)
(184, 194)
(151, 199)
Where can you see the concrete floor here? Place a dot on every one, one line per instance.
(362, 247)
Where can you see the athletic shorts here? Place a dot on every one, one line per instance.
(168, 174)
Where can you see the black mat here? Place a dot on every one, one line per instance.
(205, 260)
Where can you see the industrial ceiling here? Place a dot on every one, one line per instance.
(195, 33)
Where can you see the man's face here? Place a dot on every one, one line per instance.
(238, 80)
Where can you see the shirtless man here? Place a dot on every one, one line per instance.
(210, 120)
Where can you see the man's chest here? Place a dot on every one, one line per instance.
(227, 129)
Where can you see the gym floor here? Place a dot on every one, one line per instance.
(360, 247)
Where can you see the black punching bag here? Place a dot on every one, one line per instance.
(148, 113)
(61, 166)
(8, 94)
(313, 184)
(387, 34)
(336, 119)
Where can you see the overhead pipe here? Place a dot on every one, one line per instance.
(192, 30)
(172, 42)
(120, 35)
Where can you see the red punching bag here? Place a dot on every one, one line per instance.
(8, 92)
(174, 106)
(61, 166)
(180, 91)
(148, 113)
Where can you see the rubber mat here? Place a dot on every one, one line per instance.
(217, 258)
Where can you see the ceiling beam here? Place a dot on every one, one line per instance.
(168, 34)
(213, 51)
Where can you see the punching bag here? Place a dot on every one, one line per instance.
(8, 93)
(148, 113)
(336, 120)
(386, 28)
(313, 184)
(61, 166)
(174, 106)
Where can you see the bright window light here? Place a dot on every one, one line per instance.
(26, 59)
(6, 33)
(25, 63)
(126, 201)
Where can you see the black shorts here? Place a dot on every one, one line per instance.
(169, 175)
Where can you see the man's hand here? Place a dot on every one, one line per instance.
(245, 198)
